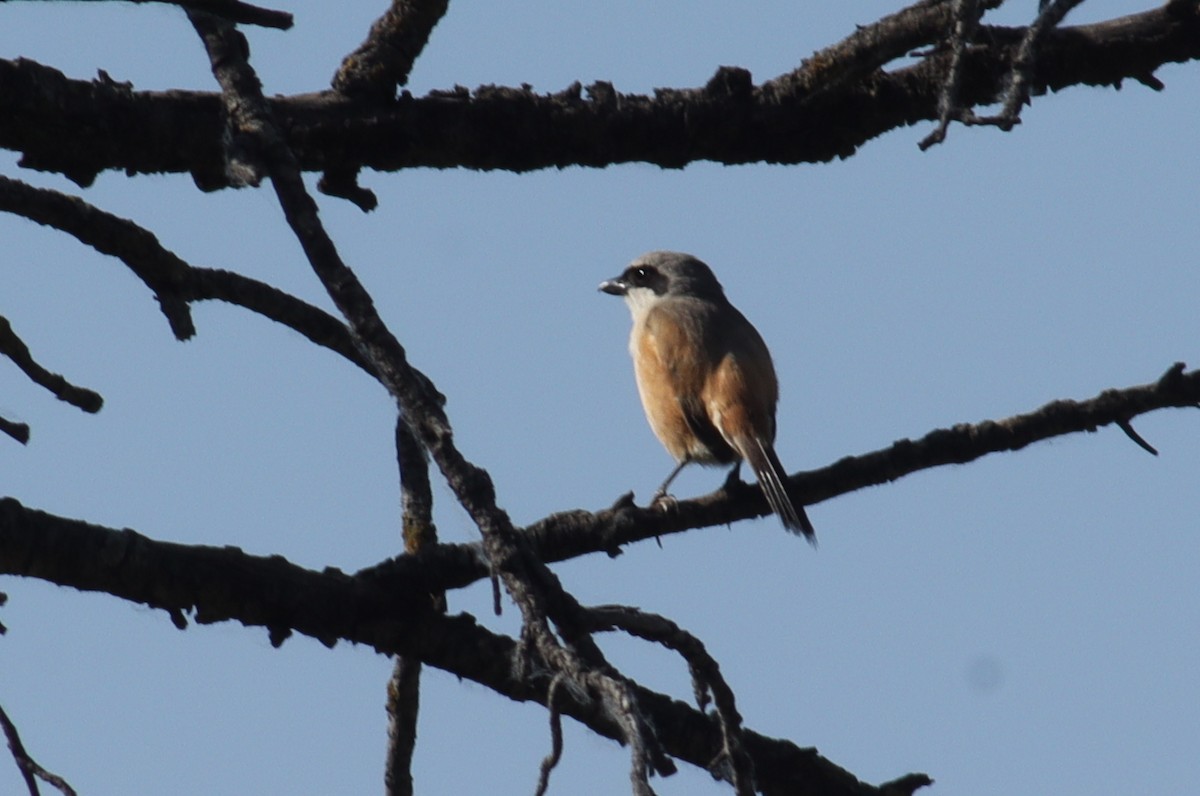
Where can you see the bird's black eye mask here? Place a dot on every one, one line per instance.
(645, 276)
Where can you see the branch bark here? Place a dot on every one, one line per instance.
(225, 584)
(81, 128)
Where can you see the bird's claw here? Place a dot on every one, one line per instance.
(663, 502)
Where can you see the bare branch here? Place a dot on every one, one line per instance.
(966, 21)
(732, 764)
(870, 47)
(403, 701)
(389, 612)
(80, 128)
(404, 688)
(225, 584)
(175, 282)
(18, 431)
(569, 534)
(1025, 62)
(15, 349)
(531, 585)
(138, 248)
(385, 59)
(232, 10)
(30, 770)
(556, 741)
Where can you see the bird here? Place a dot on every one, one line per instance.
(704, 375)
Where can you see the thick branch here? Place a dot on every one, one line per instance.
(81, 128)
(406, 581)
(224, 584)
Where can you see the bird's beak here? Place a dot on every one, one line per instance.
(614, 287)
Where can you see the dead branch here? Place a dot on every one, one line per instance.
(15, 349)
(80, 128)
(225, 584)
(29, 767)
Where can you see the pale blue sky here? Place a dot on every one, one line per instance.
(1027, 622)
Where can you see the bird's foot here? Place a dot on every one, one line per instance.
(663, 502)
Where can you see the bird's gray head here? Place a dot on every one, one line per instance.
(656, 275)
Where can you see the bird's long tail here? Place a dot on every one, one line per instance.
(769, 471)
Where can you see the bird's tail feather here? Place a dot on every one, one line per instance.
(769, 471)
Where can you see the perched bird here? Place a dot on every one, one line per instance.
(704, 374)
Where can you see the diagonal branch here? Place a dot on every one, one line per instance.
(30, 770)
(15, 349)
(871, 47)
(18, 431)
(385, 59)
(570, 534)
(532, 586)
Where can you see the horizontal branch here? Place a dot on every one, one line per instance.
(226, 584)
(81, 128)
(388, 607)
(407, 580)
(232, 10)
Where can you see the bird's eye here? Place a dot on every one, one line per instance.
(639, 275)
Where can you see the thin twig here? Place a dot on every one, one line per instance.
(29, 767)
(967, 14)
(403, 703)
(706, 673)
(1127, 427)
(556, 740)
(1024, 65)
(419, 533)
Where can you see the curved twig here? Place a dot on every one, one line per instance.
(732, 764)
